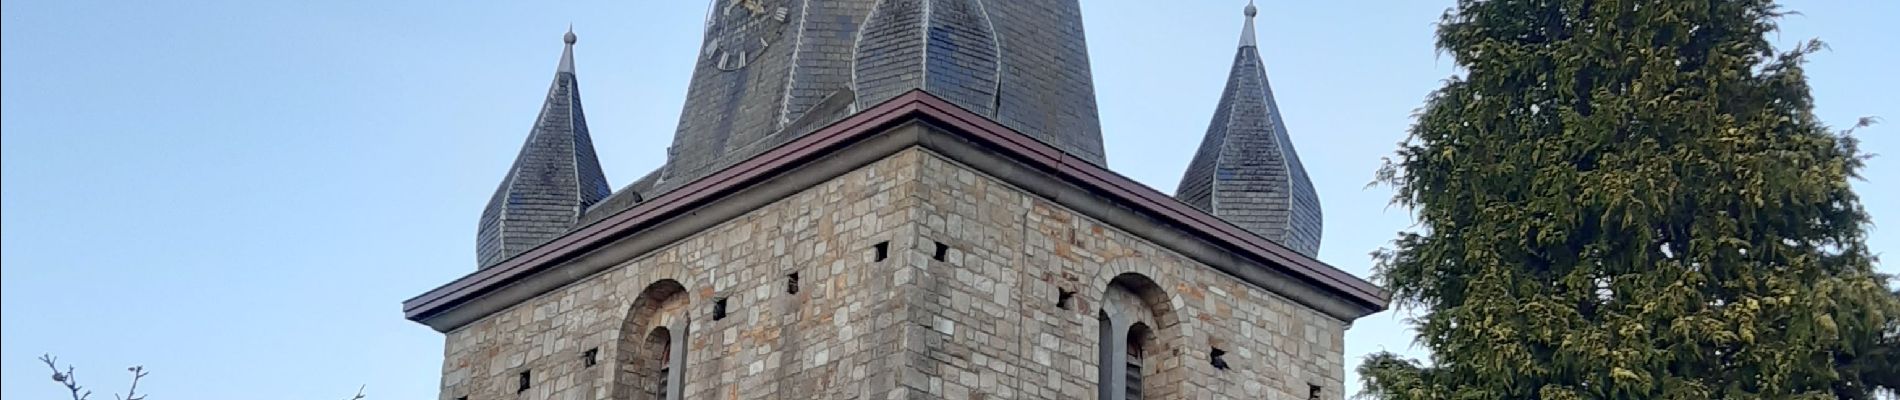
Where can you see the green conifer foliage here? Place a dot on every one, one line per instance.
(1630, 200)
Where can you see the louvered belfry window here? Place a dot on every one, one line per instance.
(656, 365)
(666, 371)
(1134, 367)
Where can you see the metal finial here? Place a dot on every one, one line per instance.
(567, 52)
(1246, 32)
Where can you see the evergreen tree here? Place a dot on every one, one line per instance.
(1629, 200)
(1883, 368)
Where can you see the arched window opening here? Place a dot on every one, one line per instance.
(1134, 362)
(650, 357)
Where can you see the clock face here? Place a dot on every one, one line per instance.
(738, 31)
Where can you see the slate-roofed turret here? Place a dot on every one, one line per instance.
(553, 180)
(1246, 170)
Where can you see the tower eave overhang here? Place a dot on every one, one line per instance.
(914, 119)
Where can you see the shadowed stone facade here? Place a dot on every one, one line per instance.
(553, 180)
(1246, 170)
(983, 321)
(889, 257)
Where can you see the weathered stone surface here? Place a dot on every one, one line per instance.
(981, 323)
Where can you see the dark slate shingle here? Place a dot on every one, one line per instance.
(554, 178)
(1246, 170)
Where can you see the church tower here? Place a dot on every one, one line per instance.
(1246, 171)
(553, 180)
(772, 70)
(898, 199)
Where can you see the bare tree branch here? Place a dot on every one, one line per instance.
(67, 378)
(138, 372)
(70, 380)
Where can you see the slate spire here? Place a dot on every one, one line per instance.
(1246, 171)
(553, 180)
(771, 71)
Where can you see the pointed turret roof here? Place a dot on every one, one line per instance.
(1246, 170)
(554, 178)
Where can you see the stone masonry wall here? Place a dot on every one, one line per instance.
(823, 342)
(982, 323)
(1012, 252)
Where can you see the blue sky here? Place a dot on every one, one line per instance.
(238, 194)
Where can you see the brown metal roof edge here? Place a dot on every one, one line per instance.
(1154, 202)
(914, 104)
